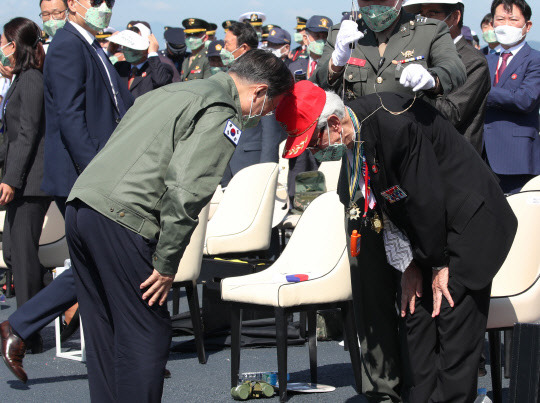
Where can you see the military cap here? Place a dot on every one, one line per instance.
(214, 49)
(266, 29)
(255, 18)
(106, 33)
(194, 25)
(319, 23)
(175, 36)
(279, 36)
(212, 28)
(227, 24)
(131, 24)
(300, 23)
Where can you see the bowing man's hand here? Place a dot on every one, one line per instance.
(7, 193)
(158, 288)
(439, 286)
(411, 288)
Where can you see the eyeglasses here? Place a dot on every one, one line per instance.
(57, 15)
(96, 3)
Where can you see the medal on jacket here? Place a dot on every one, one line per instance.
(376, 224)
(354, 173)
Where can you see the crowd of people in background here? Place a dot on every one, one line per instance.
(70, 82)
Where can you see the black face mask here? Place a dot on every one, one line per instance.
(97, 3)
(176, 51)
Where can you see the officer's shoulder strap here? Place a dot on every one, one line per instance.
(421, 20)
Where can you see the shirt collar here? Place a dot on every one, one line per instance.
(514, 49)
(140, 65)
(457, 38)
(86, 35)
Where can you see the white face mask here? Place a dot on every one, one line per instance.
(508, 35)
(277, 52)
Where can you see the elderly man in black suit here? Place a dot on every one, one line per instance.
(410, 178)
(465, 106)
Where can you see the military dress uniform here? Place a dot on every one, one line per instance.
(133, 210)
(198, 66)
(415, 39)
(300, 52)
(376, 284)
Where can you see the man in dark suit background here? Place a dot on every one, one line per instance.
(444, 220)
(143, 70)
(85, 100)
(465, 106)
(511, 129)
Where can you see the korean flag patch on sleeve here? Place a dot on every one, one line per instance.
(232, 132)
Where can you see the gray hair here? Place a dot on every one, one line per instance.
(333, 106)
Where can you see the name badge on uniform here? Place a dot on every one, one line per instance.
(353, 61)
(196, 71)
(394, 194)
(232, 132)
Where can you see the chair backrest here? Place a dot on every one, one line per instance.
(190, 265)
(283, 166)
(243, 219)
(216, 199)
(54, 227)
(522, 265)
(331, 170)
(319, 240)
(533, 184)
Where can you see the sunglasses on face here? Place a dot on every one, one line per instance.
(97, 3)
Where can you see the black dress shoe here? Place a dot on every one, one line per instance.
(68, 329)
(34, 344)
(13, 350)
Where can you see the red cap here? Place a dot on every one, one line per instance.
(299, 113)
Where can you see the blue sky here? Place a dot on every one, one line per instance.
(162, 13)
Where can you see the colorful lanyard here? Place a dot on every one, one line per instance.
(354, 177)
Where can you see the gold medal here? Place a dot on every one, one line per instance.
(376, 224)
(354, 212)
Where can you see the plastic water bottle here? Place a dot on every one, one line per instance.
(482, 396)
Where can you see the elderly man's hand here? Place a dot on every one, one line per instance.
(440, 287)
(348, 33)
(159, 288)
(411, 288)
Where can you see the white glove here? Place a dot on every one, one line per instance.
(417, 77)
(348, 33)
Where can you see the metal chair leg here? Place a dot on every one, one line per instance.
(281, 341)
(352, 338)
(508, 352)
(195, 310)
(9, 282)
(312, 340)
(303, 324)
(176, 299)
(236, 331)
(495, 360)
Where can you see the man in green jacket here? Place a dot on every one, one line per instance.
(133, 210)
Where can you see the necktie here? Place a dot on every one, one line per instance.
(502, 67)
(312, 67)
(113, 76)
(134, 71)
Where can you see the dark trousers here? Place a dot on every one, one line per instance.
(45, 306)
(20, 244)
(444, 352)
(127, 341)
(49, 303)
(375, 287)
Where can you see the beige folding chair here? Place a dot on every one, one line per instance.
(533, 184)
(243, 220)
(186, 276)
(515, 294)
(317, 248)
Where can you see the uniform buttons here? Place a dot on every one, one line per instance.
(379, 80)
(412, 23)
(155, 258)
(350, 76)
(122, 214)
(112, 210)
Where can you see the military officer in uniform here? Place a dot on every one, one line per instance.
(211, 33)
(256, 19)
(300, 51)
(227, 24)
(392, 51)
(132, 211)
(175, 49)
(195, 66)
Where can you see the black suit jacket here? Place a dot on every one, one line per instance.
(454, 212)
(152, 75)
(24, 125)
(465, 106)
(257, 145)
